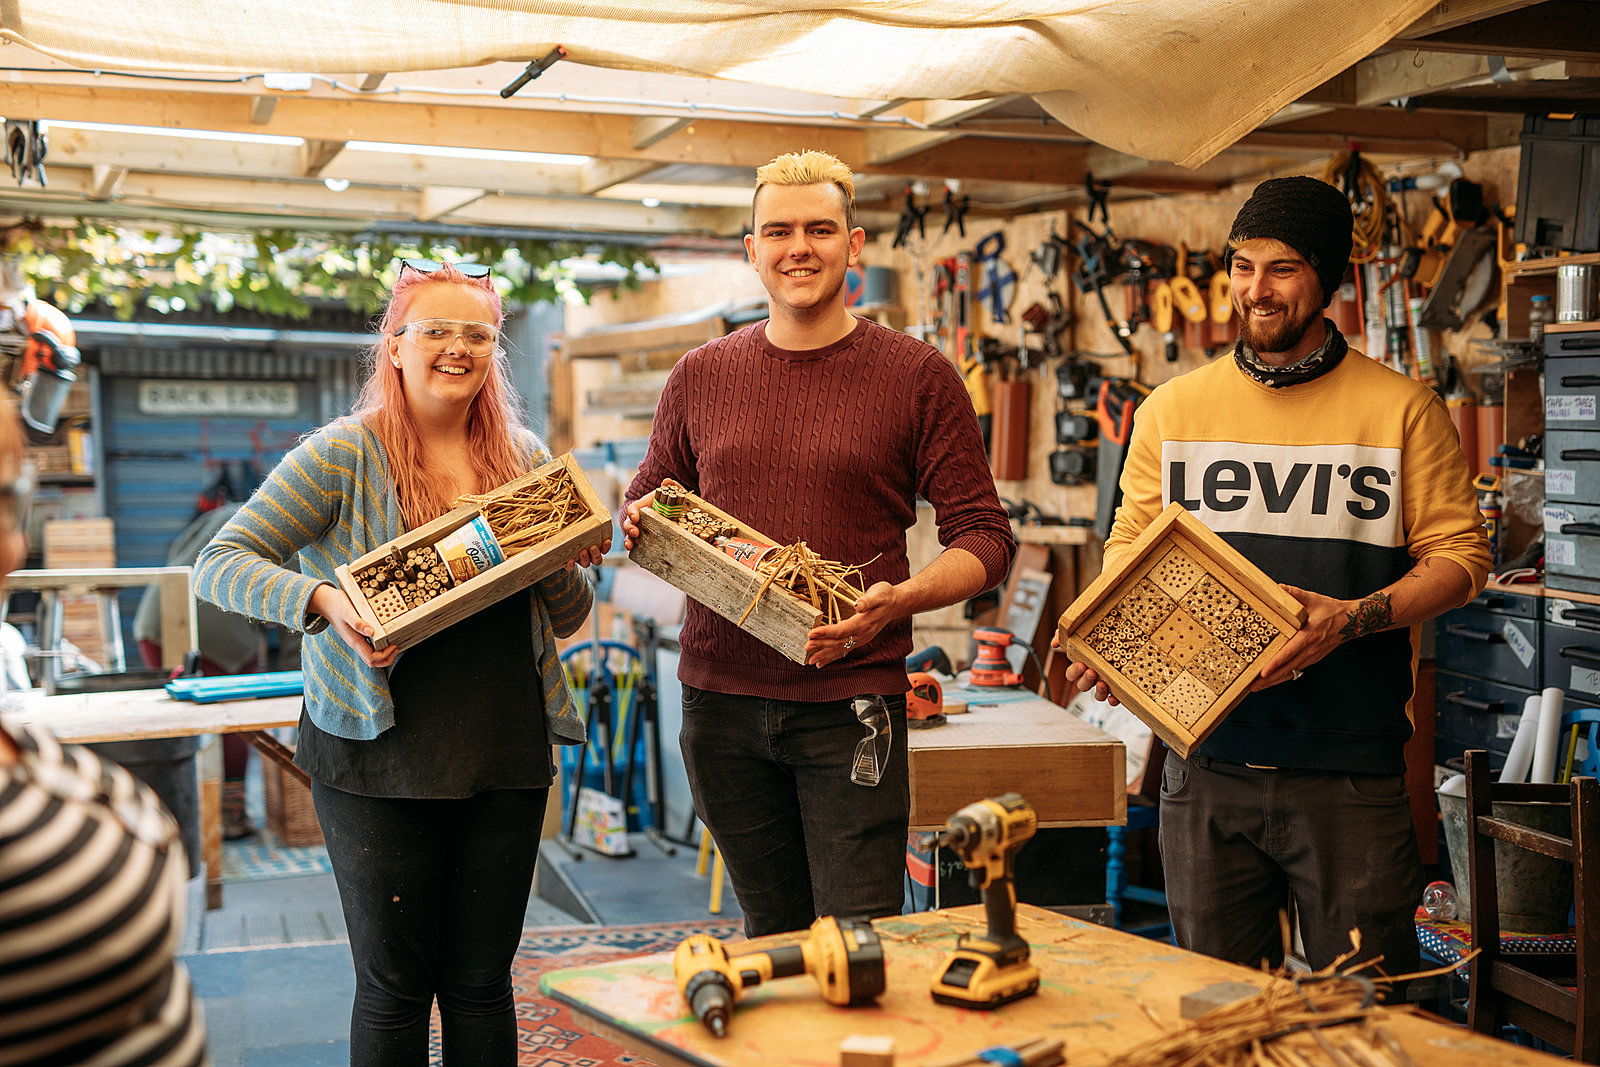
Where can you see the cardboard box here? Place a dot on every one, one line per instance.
(1181, 628)
(722, 583)
(492, 585)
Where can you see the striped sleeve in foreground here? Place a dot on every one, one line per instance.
(92, 877)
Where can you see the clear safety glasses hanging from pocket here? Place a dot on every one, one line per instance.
(872, 751)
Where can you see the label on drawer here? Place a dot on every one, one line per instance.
(1560, 552)
(1505, 727)
(1558, 610)
(1555, 518)
(1585, 679)
(1560, 482)
(1576, 408)
(1521, 645)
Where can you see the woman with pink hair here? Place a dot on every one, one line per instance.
(430, 770)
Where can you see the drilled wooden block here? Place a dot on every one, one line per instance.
(1180, 628)
(1176, 574)
(389, 604)
(1217, 665)
(1187, 699)
(1180, 637)
(1146, 606)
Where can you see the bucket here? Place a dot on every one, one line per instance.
(165, 764)
(1535, 892)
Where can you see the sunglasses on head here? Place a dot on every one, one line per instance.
(428, 266)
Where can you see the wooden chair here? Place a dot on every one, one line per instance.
(1554, 996)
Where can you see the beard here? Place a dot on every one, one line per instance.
(1279, 333)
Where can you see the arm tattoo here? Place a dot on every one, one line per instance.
(1371, 615)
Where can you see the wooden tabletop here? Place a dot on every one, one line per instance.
(1013, 740)
(135, 714)
(1102, 992)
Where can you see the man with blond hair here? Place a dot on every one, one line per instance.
(816, 426)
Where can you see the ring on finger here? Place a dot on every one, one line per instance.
(850, 642)
(1296, 675)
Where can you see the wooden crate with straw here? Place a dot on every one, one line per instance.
(778, 601)
(407, 591)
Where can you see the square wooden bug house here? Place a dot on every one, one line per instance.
(1181, 628)
(719, 581)
(422, 581)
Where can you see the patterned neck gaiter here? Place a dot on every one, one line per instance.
(1313, 366)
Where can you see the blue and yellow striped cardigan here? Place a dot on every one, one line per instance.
(329, 501)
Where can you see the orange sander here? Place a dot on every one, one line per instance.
(991, 667)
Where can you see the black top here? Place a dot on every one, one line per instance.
(468, 717)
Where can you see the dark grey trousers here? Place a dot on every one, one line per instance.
(1238, 843)
(771, 781)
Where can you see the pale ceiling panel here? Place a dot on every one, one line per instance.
(1160, 79)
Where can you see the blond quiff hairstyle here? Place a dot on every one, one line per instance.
(808, 168)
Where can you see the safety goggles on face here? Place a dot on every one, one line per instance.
(872, 751)
(428, 266)
(437, 335)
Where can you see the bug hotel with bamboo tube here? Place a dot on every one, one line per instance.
(487, 547)
(777, 593)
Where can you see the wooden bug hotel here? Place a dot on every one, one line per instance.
(776, 593)
(481, 551)
(1181, 628)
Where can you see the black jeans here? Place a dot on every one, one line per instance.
(433, 892)
(1238, 842)
(771, 781)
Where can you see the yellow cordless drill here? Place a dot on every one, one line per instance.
(843, 955)
(988, 971)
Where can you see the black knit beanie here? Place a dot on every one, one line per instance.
(1310, 216)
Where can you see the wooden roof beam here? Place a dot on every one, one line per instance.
(1555, 29)
(105, 181)
(315, 155)
(653, 129)
(602, 174)
(437, 201)
(1449, 14)
(261, 108)
(369, 82)
(1402, 75)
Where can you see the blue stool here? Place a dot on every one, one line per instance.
(1141, 816)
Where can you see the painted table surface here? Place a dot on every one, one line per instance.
(1102, 992)
(84, 718)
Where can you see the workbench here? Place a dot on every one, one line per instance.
(146, 714)
(1102, 992)
(1013, 740)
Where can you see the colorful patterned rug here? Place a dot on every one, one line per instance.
(547, 1033)
(1447, 942)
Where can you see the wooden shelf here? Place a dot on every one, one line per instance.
(1572, 327)
(1535, 589)
(1550, 263)
(1053, 535)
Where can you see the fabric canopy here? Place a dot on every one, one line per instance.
(1161, 79)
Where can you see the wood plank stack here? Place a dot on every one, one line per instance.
(72, 544)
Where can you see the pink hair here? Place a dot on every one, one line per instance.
(491, 423)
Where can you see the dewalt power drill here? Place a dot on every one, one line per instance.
(843, 955)
(988, 971)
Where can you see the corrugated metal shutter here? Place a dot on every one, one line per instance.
(156, 465)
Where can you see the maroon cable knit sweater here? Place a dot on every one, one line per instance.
(831, 446)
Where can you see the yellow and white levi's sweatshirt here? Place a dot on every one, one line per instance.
(1339, 485)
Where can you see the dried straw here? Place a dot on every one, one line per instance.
(831, 587)
(521, 518)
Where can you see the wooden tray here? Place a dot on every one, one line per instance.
(722, 583)
(1181, 629)
(495, 584)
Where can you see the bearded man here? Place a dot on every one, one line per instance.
(1346, 483)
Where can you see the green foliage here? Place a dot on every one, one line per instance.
(282, 272)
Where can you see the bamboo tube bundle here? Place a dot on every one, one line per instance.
(523, 517)
(1034, 1052)
(707, 526)
(831, 587)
